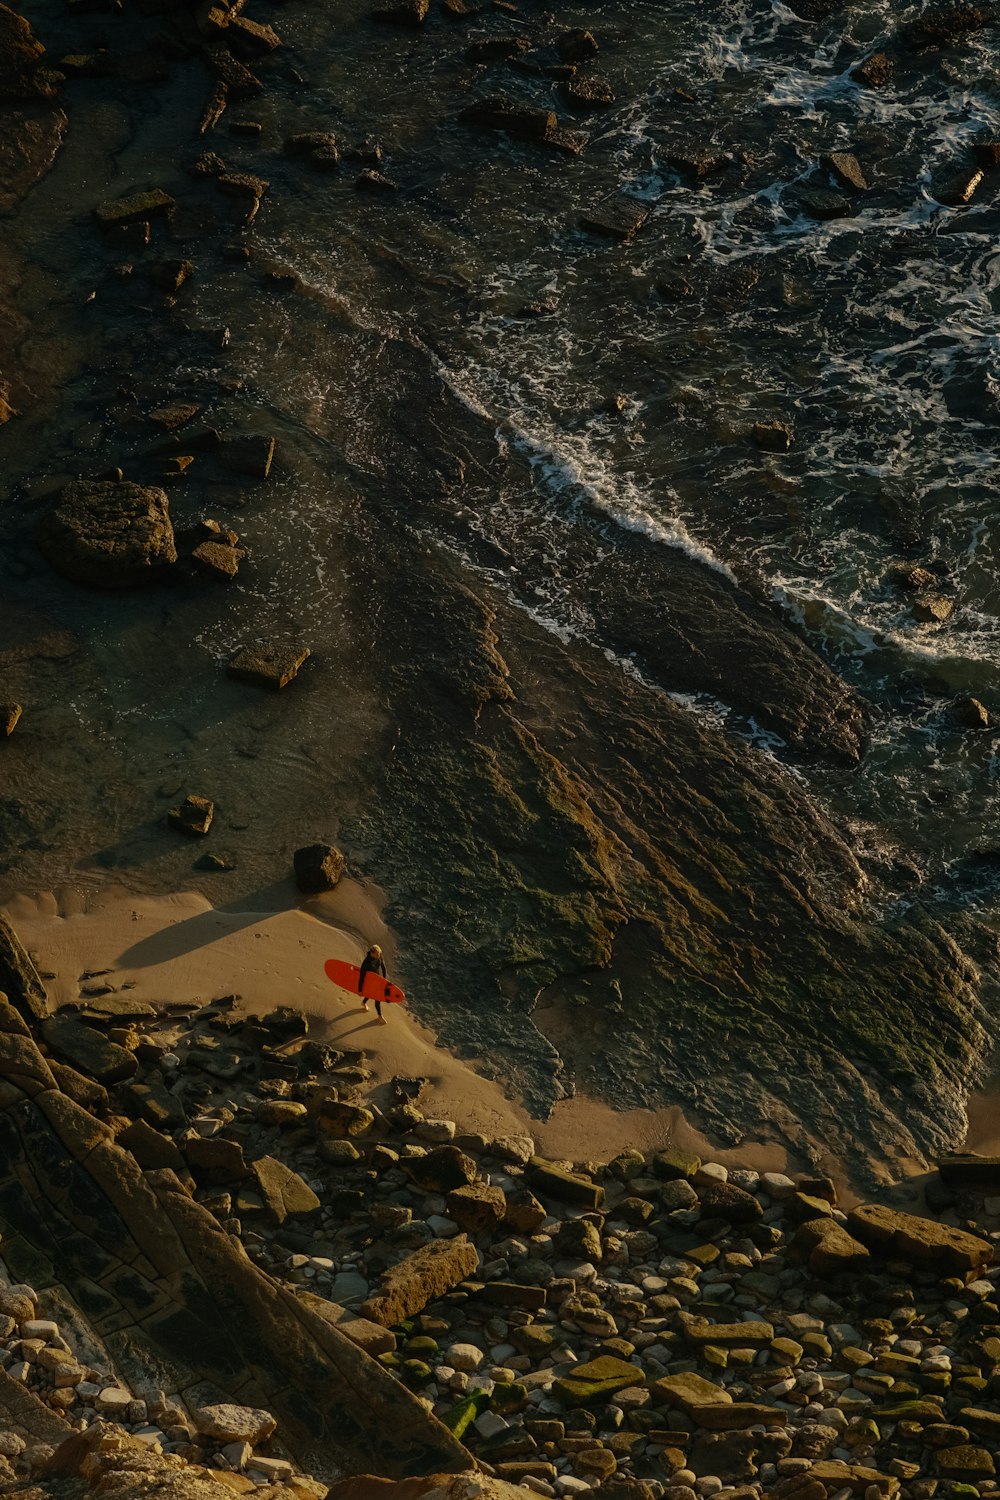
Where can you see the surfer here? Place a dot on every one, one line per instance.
(373, 963)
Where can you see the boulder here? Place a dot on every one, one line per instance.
(477, 1207)
(284, 1193)
(316, 147)
(340, 1119)
(108, 534)
(193, 816)
(556, 1182)
(972, 714)
(215, 1159)
(85, 1048)
(21, 54)
(722, 1200)
(117, 212)
(773, 437)
(270, 666)
(225, 1423)
(579, 1240)
(729, 1456)
(590, 92)
(318, 867)
(829, 1249)
(420, 1278)
(944, 25)
(903, 1236)
(402, 12)
(875, 72)
(525, 121)
(618, 216)
(749, 1335)
(736, 1416)
(689, 1392)
(251, 454)
(441, 1170)
(10, 715)
(844, 165)
(597, 1380)
(932, 609)
(218, 559)
(671, 1165)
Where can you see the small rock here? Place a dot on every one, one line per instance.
(268, 666)
(10, 713)
(194, 816)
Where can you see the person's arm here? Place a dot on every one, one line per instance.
(381, 967)
(365, 969)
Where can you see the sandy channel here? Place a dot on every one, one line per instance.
(179, 948)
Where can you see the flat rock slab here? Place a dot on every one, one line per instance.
(727, 1335)
(968, 1169)
(597, 1381)
(135, 207)
(422, 1277)
(268, 666)
(557, 1182)
(736, 1416)
(689, 1392)
(907, 1237)
(284, 1192)
(617, 216)
(86, 1049)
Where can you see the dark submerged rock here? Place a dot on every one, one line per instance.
(109, 535)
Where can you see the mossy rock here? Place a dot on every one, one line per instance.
(422, 1347)
(597, 1381)
(459, 1418)
(415, 1371)
(508, 1396)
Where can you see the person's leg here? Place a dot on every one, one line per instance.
(378, 1012)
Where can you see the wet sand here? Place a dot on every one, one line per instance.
(179, 948)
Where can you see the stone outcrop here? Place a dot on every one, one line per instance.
(420, 1278)
(109, 534)
(903, 1236)
(169, 1290)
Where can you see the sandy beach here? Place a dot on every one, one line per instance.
(179, 948)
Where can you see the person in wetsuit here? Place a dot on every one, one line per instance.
(373, 963)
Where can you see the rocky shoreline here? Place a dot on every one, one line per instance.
(185, 1186)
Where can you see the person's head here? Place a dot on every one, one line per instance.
(374, 951)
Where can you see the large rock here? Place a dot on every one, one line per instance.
(423, 1276)
(476, 1207)
(554, 1181)
(500, 113)
(969, 1170)
(271, 666)
(85, 1048)
(284, 1192)
(21, 54)
(689, 1392)
(318, 867)
(829, 1249)
(441, 1170)
(225, 1423)
(597, 1381)
(907, 1237)
(724, 1200)
(109, 534)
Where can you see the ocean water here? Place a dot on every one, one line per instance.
(628, 376)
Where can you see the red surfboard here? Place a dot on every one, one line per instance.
(376, 988)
